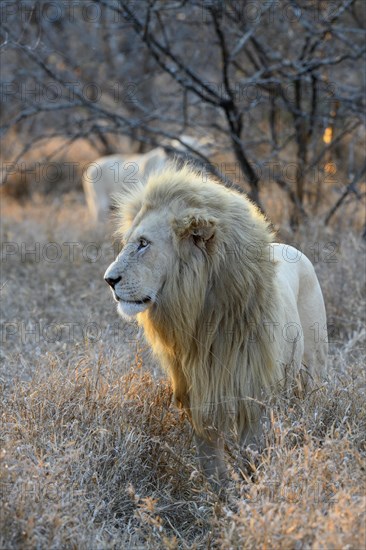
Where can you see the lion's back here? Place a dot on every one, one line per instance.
(304, 304)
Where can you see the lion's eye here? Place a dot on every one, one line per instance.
(142, 244)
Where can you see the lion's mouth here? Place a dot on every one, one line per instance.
(136, 302)
(130, 308)
(144, 301)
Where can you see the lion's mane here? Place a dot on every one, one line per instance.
(212, 325)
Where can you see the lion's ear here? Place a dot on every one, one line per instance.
(197, 227)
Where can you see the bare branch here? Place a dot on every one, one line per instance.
(351, 188)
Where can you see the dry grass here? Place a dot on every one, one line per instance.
(93, 454)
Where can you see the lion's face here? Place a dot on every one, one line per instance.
(140, 270)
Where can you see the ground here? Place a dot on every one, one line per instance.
(93, 453)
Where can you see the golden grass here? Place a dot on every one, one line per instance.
(94, 456)
(93, 459)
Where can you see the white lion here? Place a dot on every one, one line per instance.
(232, 316)
(106, 176)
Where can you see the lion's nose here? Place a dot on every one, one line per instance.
(112, 282)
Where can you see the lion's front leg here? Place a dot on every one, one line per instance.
(211, 456)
